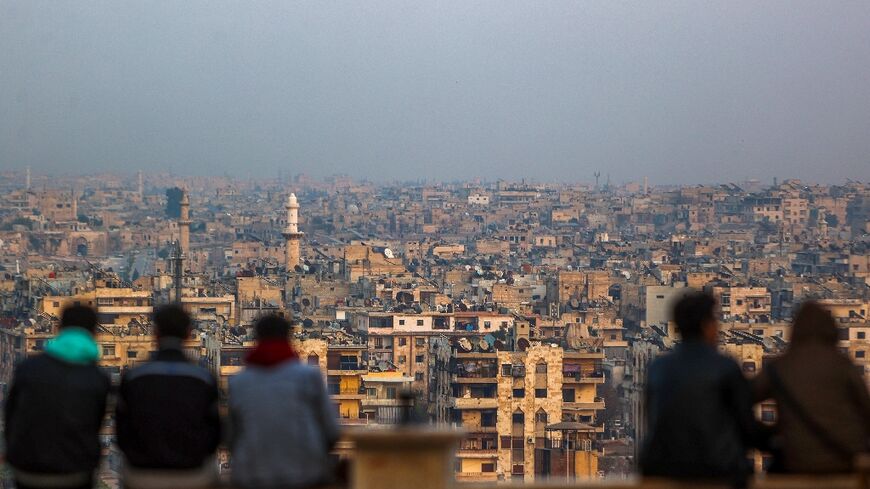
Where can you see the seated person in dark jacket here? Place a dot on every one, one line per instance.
(55, 408)
(699, 405)
(167, 414)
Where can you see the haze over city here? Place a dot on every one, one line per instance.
(679, 92)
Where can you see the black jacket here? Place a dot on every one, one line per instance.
(699, 412)
(53, 416)
(167, 413)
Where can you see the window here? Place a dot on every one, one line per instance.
(859, 354)
(768, 416)
(541, 368)
(861, 335)
(418, 376)
(487, 419)
(401, 358)
(132, 354)
(403, 341)
(420, 342)
(540, 393)
(391, 392)
(487, 467)
(401, 322)
(487, 324)
(518, 418)
(749, 367)
(505, 369)
(314, 360)
(519, 393)
(568, 395)
(418, 359)
(419, 322)
(108, 350)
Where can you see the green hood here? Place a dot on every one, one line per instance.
(73, 345)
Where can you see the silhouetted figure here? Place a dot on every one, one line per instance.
(167, 419)
(283, 423)
(699, 405)
(55, 408)
(822, 401)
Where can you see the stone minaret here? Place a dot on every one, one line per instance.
(291, 233)
(184, 224)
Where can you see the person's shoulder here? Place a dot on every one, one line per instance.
(165, 369)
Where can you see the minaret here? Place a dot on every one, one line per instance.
(291, 233)
(141, 186)
(27, 179)
(184, 224)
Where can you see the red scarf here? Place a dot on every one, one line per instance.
(269, 353)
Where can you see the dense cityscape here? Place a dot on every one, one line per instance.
(524, 313)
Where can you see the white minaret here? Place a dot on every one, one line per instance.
(291, 233)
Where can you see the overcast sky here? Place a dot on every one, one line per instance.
(683, 92)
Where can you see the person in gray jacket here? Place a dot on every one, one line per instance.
(283, 424)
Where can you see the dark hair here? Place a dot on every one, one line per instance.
(81, 316)
(691, 312)
(813, 324)
(172, 321)
(272, 327)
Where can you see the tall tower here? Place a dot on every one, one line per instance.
(184, 224)
(141, 186)
(27, 179)
(291, 232)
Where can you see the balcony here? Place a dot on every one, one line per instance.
(583, 378)
(125, 310)
(584, 406)
(475, 403)
(476, 453)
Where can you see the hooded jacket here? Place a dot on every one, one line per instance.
(55, 407)
(283, 422)
(827, 388)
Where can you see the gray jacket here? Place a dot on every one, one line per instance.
(283, 427)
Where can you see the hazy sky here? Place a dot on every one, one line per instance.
(684, 92)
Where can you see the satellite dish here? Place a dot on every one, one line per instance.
(307, 323)
(465, 344)
(483, 345)
(306, 302)
(388, 253)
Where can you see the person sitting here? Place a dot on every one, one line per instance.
(823, 408)
(699, 405)
(283, 424)
(55, 408)
(167, 419)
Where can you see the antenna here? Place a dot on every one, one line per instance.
(597, 176)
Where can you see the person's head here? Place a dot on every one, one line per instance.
(272, 328)
(813, 324)
(172, 322)
(79, 316)
(695, 315)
